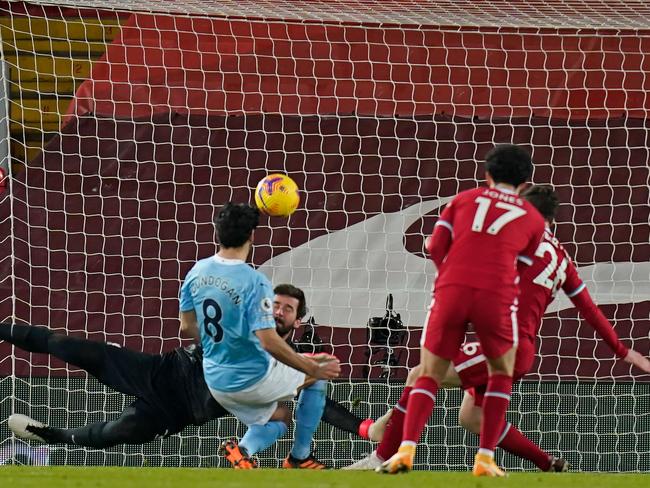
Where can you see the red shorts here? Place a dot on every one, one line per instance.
(493, 315)
(472, 369)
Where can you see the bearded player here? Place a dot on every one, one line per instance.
(170, 391)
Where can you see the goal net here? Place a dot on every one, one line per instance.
(126, 124)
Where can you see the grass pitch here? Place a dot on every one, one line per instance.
(55, 477)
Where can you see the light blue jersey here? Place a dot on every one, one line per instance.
(231, 301)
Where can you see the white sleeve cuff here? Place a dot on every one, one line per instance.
(576, 291)
(525, 260)
(446, 224)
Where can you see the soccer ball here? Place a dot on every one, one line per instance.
(277, 195)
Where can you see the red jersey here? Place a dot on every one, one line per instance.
(551, 270)
(479, 237)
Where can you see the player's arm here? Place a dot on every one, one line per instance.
(439, 241)
(280, 350)
(189, 323)
(525, 258)
(190, 326)
(579, 295)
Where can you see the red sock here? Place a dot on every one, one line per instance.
(518, 444)
(393, 433)
(420, 406)
(364, 427)
(495, 404)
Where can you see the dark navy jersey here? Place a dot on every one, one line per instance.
(181, 393)
(187, 399)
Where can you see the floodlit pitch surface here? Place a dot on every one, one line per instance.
(55, 477)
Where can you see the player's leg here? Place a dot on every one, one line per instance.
(308, 414)
(257, 438)
(311, 404)
(471, 413)
(309, 410)
(340, 417)
(420, 403)
(511, 438)
(392, 434)
(471, 372)
(495, 322)
(468, 368)
(442, 336)
(123, 370)
(257, 407)
(269, 423)
(131, 427)
(82, 353)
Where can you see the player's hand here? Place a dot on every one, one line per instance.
(329, 370)
(638, 360)
(328, 366)
(319, 357)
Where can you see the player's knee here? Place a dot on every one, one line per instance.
(413, 376)
(286, 417)
(468, 421)
(282, 414)
(436, 369)
(501, 370)
(464, 421)
(504, 364)
(103, 435)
